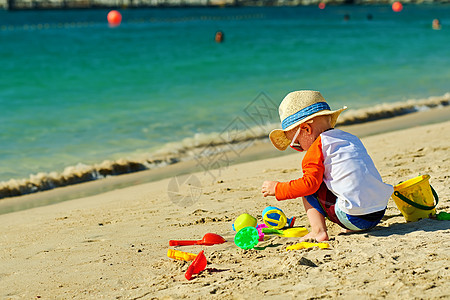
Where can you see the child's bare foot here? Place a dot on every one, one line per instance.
(318, 237)
(347, 231)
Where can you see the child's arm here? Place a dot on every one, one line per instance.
(268, 188)
(313, 170)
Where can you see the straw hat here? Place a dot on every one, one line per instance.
(297, 108)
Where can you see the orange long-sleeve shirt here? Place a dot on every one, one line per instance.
(313, 170)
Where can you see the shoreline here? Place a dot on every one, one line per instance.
(114, 244)
(257, 150)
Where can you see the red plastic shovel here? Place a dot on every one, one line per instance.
(198, 265)
(207, 240)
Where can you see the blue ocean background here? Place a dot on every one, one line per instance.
(74, 90)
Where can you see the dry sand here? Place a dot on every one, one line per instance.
(114, 245)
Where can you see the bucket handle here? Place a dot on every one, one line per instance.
(417, 205)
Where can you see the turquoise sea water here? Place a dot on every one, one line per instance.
(73, 90)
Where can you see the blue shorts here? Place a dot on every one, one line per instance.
(325, 202)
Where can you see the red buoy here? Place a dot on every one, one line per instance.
(322, 5)
(397, 6)
(114, 18)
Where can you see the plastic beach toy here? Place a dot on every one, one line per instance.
(244, 220)
(415, 198)
(305, 245)
(260, 228)
(198, 265)
(290, 232)
(443, 216)
(246, 238)
(275, 218)
(180, 255)
(207, 240)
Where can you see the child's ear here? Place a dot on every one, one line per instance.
(307, 127)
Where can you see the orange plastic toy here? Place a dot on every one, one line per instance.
(208, 239)
(198, 265)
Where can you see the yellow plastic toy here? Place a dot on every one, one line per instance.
(415, 198)
(290, 232)
(274, 217)
(305, 245)
(180, 255)
(244, 220)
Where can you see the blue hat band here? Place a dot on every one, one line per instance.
(303, 113)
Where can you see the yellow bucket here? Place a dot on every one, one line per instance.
(415, 198)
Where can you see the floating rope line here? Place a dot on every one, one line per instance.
(45, 26)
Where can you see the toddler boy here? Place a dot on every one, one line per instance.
(340, 181)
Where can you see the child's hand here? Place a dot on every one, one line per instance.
(268, 188)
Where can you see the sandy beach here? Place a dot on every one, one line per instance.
(113, 245)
